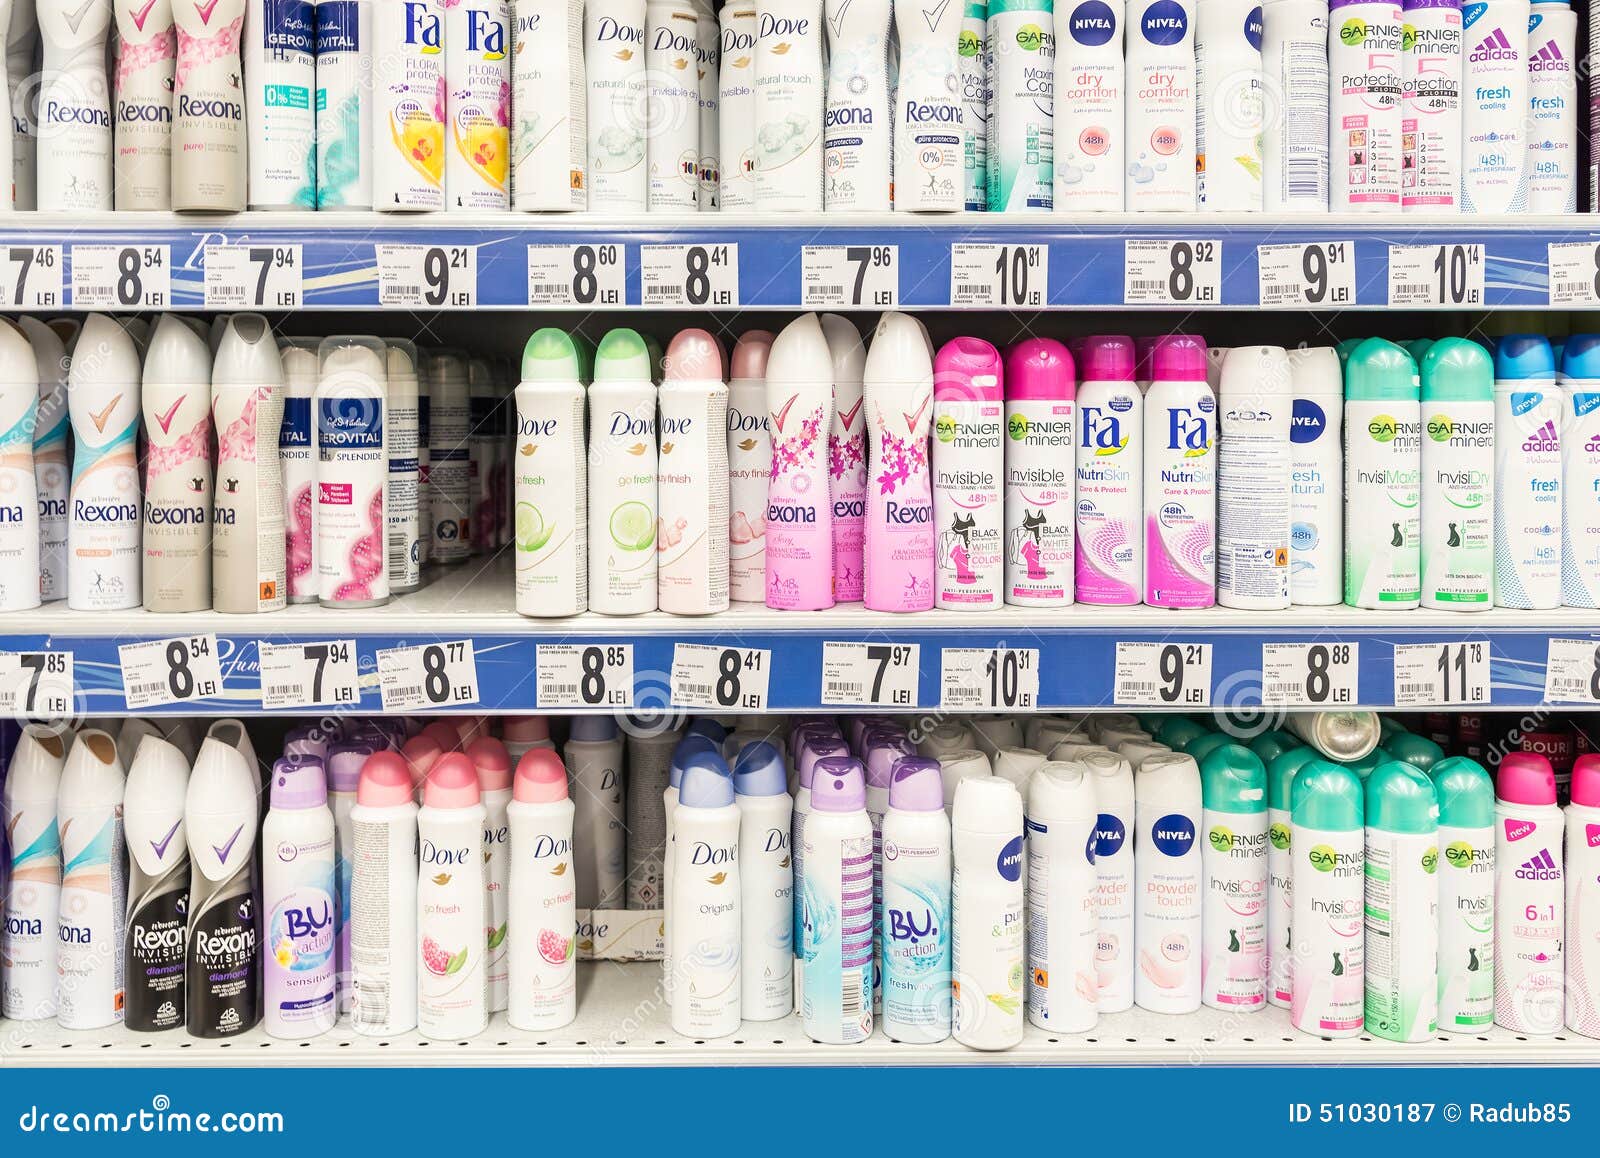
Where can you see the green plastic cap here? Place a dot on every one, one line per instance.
(622, 357)
(550, 356)
(1327, 797)
(1281, 772)
(1176, 731)
(1418, 751)
(1270, 745)
(1380, 371)
(1465, 793)
(1202, 746)
(1417, 348)
(1457, 370)
(1233, 779)
(1400, 799)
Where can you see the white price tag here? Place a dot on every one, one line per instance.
(1436, 275)
(437, 277)
(720, 678)
(689, 275)
(261, 277)
(989, 677)
(1441, 675)
(594, 276)
(1574, 273)
(1000, 275)
(1572, 671)
(30, 276)
(878, 674)
(170, 671)
(850, 275)
(1163, 675)
(428, 675)
(588, 675)
(307, 675)
(1172, 273)
(36, 683)
(1310, 675)
(1293, 277)
(121, 277)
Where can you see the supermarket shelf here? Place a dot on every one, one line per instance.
(621, 1022)
(1077, 660)
(338, 265)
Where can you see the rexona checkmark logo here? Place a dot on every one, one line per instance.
(848, 417)
(222, 853)
(205, 10)
(915, 415)
(141, 14)
(160, 846)
(75, 19)
(104, 416)
(782, 415)
(166, 419)
(932, 15)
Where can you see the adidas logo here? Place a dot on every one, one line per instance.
(1543, 440)
(1495, 46)
(1540, 868)
(1548, 59)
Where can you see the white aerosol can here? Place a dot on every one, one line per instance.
(74, 102)
(90, 962)
(1294, 143)
(1327, 966)
(548, 468)
(1169, 884)
(1494, 173)
(549, 104)
(987, 947)
(30, 939)
(692, 478)
(208, 131)
(1583, 899)
(1316, 478)
(736, 106)
(1430, 106)
(1063, 899)
(1234, 859)
(857, 140)
(103, 531)
(449, 415)
(929, 114)
(672, 145)
(452, 903)
(618, 123)
(176, 396)
(1364, 44)
(248, 568)
(1255, 403)
(622, 485)
(790, 84)
(344, 104)
(1466, 894)
(51, 428)
(477, 69)
(749, 467)
(1528, 416)
(403, 542)
(299, 903)
(383, 898)
(542, 951)
(835, 928)
(1090, 102)
(279, 51)
(142, 125)
(705, 913)
(409, 127)
(1402, 904)
(766, 889)
(1230, 92)
(20, 580)
(1161, 107)
(1552, 163)
(352, 473)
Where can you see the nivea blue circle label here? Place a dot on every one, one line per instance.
(1092, 23)
(1108, 835)
(1009, 862)
(1307, 422)
(1252, 28)
(1164, 22)
(1173, 834)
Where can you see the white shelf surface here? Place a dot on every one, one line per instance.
(621, 1022)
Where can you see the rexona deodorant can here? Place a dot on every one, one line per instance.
(551, 515)
(622, 486)
(1294, 143)
(799, 508)
(1039, 484)
(835, 934)
(383, 898)
(19, 534)
(968, 461)
(1466, 894)
(1109, 557)
(1180, 477)
(247, 550)
(1161, 107)
(1528, 415)
(177, 503)
(847, 458)
(1402, 903)
(750, 467)
(897, 396)
(1580, 467)
(103, 530)
(142, 130)
(299, 901)
(1430, 106)
(541, 950)
(1495, 112)
(1364, 43)
(1583, 898)
(1280, 871)
(1383, 462)
(1552, 164)
(1458, 477)
(408, 165)
(1316, 478)
(158, 885)
(988, 949)
(91, 986)
(1329, 852)
(1063, 899)
(222, 969)
(208, 134)
(929, 112)
(857, 142)
(279, 49)
(30, 939)
(51, 476)
(74, 167)
(1233, 961)
(1530, 897)
(1091, 95)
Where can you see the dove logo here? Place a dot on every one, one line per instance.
(668, 40)
(609, 29)
(704, 853)
(734, 40)
(624, 425)
(531, 427)
(772, 25)
(745, 422)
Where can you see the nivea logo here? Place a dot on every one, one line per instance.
(308, 921)
(848, 508)
(214, 108)
(1165, 22)
(781, 26)
(435, 854)
(1092, 23)
(1173, 834)
(56, 113)
(741, 422)
(1307, 422)
(625, 425)
(905, 925)
(609, 29)
(1009, 863)
(550, 846)
(422, 27)
(173, 516)
(944, 112)
(104, 512)
(706, 854)
(485, 35)
(847, 115)
(908, 513)
(1108, 835)
(1252, 28)
(131, 113)
(790, 513)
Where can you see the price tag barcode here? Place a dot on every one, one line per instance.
(440, 277)
(577, 275)
(878, 674)
(30, 276)
(37, 683)
(1572, 671)
(1000, 275)
(1160, 675)
(1574, 273)
(263, 277)
(591, 675)
(1172, 273)
(308, 675)
(689, 275)
(850, 275)
(170, 671)
(1322, 273)
(1441, 675)
(428, 675)
(989, 677)
(720, 678)
(1310, 675)
(1436, 275)
(121, 277)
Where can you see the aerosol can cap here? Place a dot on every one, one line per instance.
(1465, 792)
(1456, 370)
(1233, 779)
(1400, 799)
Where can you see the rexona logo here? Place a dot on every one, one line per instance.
(1164, 23)
(1030, 37)
(1383, 428)
(1009, 863)
(1093, 23)
(1173, 834)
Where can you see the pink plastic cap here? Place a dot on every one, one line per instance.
(1039, 370)
(453, 783)
(750, 354)
(1107, 358)
(541, 778)
(385, 781)
(421, 753)
(1178, 358)
(692, 356)
(444, 735)
(1525, 778)
(526, 729)
(1586, 782)
(493, 762)
(967, 370)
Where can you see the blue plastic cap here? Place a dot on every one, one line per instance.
(687, 749)
(706, 782)
(1521, 356)
(708, 728)
(587, 728)
(759, 771)
(1580, 357)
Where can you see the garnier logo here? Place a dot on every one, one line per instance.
(1352, 31)
(1383, 428)
(945, 428)
(1323, 858)
(1279, 835)
(969, 44)
(1439, 428)
(1017, 427)
(1029, 37)
(1430, 861)
(1408, 37)
(1221, 838)
(1461, 854)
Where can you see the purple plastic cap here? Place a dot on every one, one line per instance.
(918, 785)
(813, 751)
(759, 771)
(708, 728)
(883, 755)
(1586, 782)
(685, 750)
(860, 725)
(818, 728)
(344, 764)
(838, 785)
(706, 782)
(1525, 778)
(307, 741)
(1107, 358)
(967, 370)
(1039, 370)
(298, 782)
(1178, 358)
